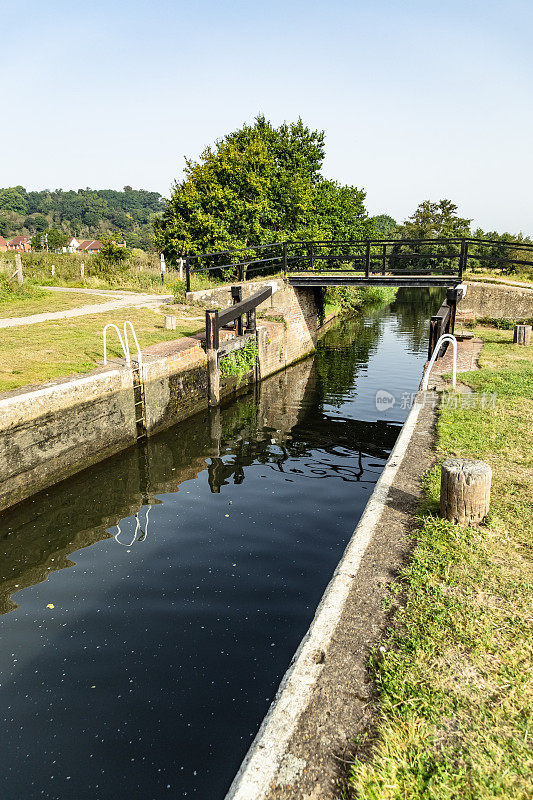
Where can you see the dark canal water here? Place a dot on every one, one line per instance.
(182, 578)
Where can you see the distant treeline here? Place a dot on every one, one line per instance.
(85, 213)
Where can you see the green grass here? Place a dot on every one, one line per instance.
(454, 682)
(486, 276)
(43, 301)
(35, 353)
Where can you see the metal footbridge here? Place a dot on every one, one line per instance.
(373, 262)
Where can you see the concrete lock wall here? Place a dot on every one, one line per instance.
(497, 301)
(50, 433)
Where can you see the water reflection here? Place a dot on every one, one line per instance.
(139, 534)
(157, 663)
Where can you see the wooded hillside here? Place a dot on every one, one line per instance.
(86, 213)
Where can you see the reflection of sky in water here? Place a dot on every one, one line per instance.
(154, 668)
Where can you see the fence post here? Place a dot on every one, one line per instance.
(311, 257)
(211, 346)
(18, 268)
(384, 260)
(242, 272)
(284, 257)
(236, 295)
(463, 258)
(367, 260)
(187, 274)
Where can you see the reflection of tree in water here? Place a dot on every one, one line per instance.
(269, 431)
(342, 352)
(413, 308)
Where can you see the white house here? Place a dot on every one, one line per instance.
(72, 245)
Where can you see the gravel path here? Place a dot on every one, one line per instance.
(117, 300)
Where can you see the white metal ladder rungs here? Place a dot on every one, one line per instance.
(124, 343)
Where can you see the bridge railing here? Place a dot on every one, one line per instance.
(439, 257)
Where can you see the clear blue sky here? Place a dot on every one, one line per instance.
(419, 99)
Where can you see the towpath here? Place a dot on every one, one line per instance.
(117, 299)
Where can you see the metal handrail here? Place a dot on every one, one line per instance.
(446, 337)
(123, 342)
(125, 350)
(139, 354)
(277, 252)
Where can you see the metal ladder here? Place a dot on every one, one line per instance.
(139, 400)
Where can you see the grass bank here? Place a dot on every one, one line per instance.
(36, 353)
(453, 678)
(495, 275)
(140, 273)
(42, 301)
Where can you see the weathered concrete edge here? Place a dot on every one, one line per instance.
(263, 760)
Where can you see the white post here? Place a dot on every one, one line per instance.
(180, 262)
(18, 266)
(53, 270)
(82, 270)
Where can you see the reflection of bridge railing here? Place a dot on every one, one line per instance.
(372, 261)
(363, 439)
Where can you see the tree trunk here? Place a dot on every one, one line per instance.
(465, 491)
(522, 334)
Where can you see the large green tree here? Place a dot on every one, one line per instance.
(433, 221)
(385, 227)
(256, 185)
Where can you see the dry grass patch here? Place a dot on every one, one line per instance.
(49, 302)
(36, 353)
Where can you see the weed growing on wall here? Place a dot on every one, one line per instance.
(239, 362)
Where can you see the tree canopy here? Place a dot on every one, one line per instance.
(435, 220)
(257, 185)
(385, 227)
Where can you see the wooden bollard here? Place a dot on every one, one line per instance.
(170, 322)
(522, 334)
(465, 491)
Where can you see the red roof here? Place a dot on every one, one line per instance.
(2, 241)
(90, 244)
(20, 240)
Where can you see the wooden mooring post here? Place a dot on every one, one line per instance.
(522, 334)
(211, 345)
(465, 491)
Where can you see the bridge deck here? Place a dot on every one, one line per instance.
(349, 279)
